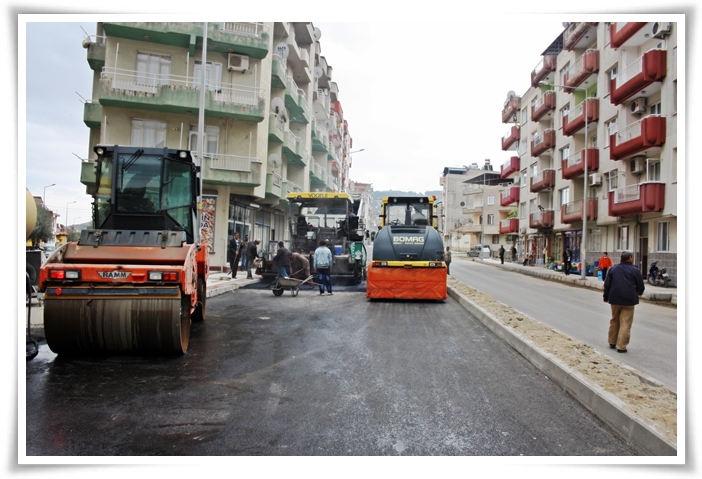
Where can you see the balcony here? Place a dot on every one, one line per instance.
(241, 37)
(543, 142)
(639, 78)
(541, 219)
(575, 120)
(92, 114)
(276, 129)
(509, 141)
(293, 149)
(178, 94)
(542, 180)
(583, 73)
(546, 103)
(96, 52)
(511, 109)
(274, 183)
(510, 167)
(509, 196)
(628, 34)
(573, 212)
(318, 175)
(320, 137)
(574, 165)
(510, 225)
(296, 103)
(647, 133)
(279, 73)
(579, 35)
(637, 199)
(232, 170)
(544, 70)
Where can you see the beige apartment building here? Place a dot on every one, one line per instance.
(273, 122)
(594, 139)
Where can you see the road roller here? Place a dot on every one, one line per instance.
(136, 280)
(408, 252)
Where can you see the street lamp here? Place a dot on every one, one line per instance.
(43, 200)
(583, 267)
(70, 202)
(357, 151)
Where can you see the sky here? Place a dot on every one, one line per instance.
(421, 89)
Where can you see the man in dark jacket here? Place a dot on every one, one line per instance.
(251, 255)
(622, 288)
(234, 253)
(282, 260)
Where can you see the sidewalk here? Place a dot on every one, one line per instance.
(652, 293)
(220, 283)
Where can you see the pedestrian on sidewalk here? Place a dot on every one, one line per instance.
(604, 264)
(251, 255)
(243, 252)
(514, 253)
(234, 253)
(501, 252)
(622, 288)
(447, 260)
(322, 263)
(567, 260)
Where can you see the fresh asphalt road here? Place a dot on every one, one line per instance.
(313, 376)
(581, 314)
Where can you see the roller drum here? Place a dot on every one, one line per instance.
(117, 325)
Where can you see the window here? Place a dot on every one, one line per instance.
(593, 141)
(594, 239)
(564, 116)
(663, 236)
(213, 77)
(534, 169)
(565, 153)
(211, 139)
(524, 178)
(655, 109)
(525, 116)
(611, 128)
(563, 196)
(148, 133)
(495, 239)
(562, 74)
(491, 200)
(153, 70)
(611, 181)
(612, 75)
(653, 170)
(622, 238)
(491, 219)
(522, 210)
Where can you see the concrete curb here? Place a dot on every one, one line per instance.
(603, 404)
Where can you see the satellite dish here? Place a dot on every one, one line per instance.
(278, 103)
(511, 94)
(282, 50)
(565, 24)
(328, 123)
(274, 160)
(318, 72)
(317, 33)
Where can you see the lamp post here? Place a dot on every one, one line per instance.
(583, 267)
(357, 151)
(43, 199)
(70, 202)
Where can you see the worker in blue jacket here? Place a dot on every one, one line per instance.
(323, 264)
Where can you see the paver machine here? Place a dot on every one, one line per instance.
(329, 216)
(408, 252)
(136, 280)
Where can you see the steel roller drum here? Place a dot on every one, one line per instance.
(105, 324)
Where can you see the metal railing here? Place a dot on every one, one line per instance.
(630, 71)
(574, 159)
(244, 28)
(627, 193)
(230, 162)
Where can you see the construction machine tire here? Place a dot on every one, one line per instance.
(102, 325)
(199, 313)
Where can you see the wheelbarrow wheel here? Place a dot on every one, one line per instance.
(278, 291)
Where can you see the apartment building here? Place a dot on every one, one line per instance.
(273, 122)
(594, 140)
(472, 211)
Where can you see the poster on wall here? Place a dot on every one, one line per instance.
(207, 221)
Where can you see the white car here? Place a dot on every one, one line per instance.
(479, 251)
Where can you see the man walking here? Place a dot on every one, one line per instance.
(447, 260)
(501, 251)
(234, 253)
(322, 263)
(622, 288)
(251, 255)
(567, 261)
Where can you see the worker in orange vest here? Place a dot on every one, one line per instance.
(604, 264)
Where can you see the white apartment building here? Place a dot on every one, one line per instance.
(594, 139)
(273, 122)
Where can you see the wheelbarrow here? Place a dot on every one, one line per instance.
(281, 284)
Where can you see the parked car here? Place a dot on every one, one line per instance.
(48, 249)
(479, 251)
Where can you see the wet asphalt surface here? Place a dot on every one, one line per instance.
(312, 376)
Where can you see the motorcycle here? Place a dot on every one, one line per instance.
(658, 277)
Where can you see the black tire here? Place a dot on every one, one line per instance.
(666, 282)
(201, 308)
(278, 291)
(651, 281)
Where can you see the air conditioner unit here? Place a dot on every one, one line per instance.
(595, 179)
(638, 106)
(661, 29)
(637, 164)
(237, 63)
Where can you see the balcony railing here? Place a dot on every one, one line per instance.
(579, 35)
(231, 169)
(543, 179)
(572, 212)
(574, 165)
(510, 109)
(509, 196)
(575, 120)
(544, 104)
(543, 141)
(509, 167)
(625, 34)
(541, 219)
(509, 225)
(582, 70)
(510, 139)
(637, 199)
(642, 72)
(649, 132)
(544, 70)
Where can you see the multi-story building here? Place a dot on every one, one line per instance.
(273, 123)
(472, 207)
(594, 140)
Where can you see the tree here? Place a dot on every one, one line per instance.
(43, 230)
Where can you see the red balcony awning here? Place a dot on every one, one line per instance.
(652, 69)
(647, 133)
(637, 199)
